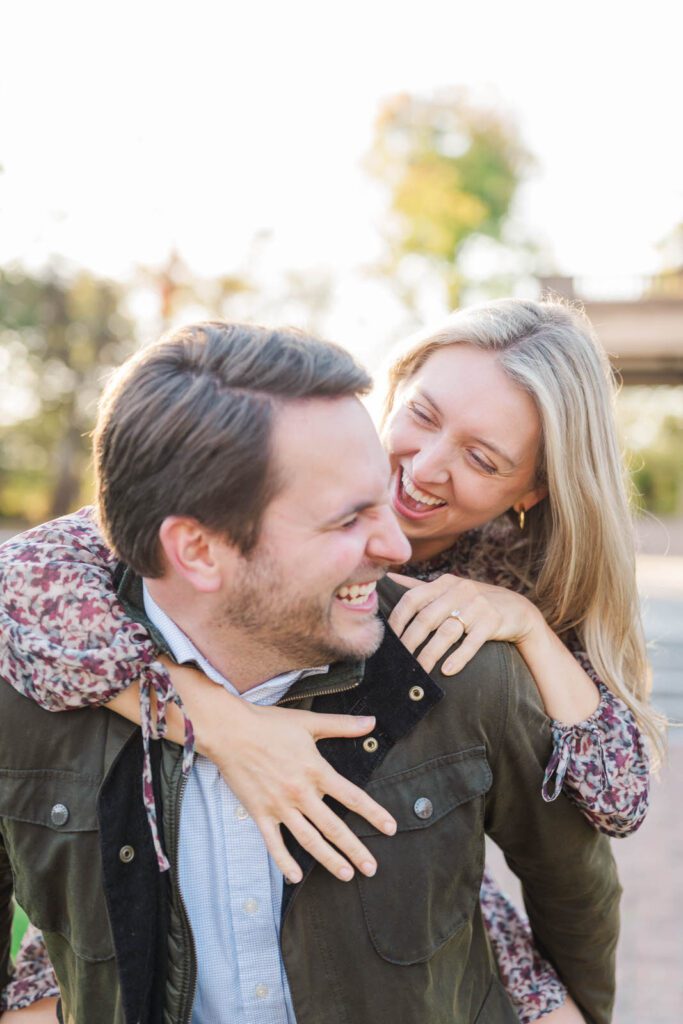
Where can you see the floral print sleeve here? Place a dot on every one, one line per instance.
(601, 763)
(66, 641)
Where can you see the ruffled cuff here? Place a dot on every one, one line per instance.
(602, 765)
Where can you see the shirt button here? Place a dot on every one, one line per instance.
(59, 815)
(250, 906)
(423, 807)
(241, 813)
(261, 991)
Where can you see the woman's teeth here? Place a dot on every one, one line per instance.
(416, 494)
(358, 593)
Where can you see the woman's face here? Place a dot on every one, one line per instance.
(463, 442)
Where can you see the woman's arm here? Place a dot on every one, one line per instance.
(486, 612)
(599, 756)
(66, 642)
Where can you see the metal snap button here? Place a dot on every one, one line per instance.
(59, 815)
(416, 693)
(370, 745)
(423, 807)
(126, 854)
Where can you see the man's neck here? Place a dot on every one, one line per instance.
(227, 650)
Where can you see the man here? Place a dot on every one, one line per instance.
(243, 485)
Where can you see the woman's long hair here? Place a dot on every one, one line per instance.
(577, 561)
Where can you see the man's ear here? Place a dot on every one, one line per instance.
(195, 553)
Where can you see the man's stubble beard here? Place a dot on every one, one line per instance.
(295, 627)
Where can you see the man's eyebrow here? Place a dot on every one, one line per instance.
(480, 440)
(360, 506)
(350, 510)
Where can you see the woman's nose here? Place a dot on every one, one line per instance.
(430, 466)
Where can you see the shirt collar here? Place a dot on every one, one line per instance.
(184, 651)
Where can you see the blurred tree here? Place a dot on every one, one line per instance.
(59, 338)
(668, 282)
(453, 169)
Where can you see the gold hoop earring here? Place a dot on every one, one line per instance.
(522, 518)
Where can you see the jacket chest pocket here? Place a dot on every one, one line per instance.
(49, 826)
(430, 872)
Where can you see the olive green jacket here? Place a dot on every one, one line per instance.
(454, 758)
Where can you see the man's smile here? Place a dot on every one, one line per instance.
(358, 596)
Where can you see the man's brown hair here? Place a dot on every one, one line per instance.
(184, 428)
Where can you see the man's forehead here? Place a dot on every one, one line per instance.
(330, 447)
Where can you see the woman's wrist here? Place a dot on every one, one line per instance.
(569, 695)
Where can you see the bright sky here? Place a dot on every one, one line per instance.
(129, 128)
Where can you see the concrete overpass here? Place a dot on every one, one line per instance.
(643, 337)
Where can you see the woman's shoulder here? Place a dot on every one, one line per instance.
(72, 538)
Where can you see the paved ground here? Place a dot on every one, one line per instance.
(650, 955)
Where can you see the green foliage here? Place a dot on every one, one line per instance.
(452, 169)
(19, 926)
(658, 470)
(59, 337)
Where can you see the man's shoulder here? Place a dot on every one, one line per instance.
(495, 667)
(33, 739)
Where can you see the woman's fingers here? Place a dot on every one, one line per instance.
(414, 600)
(270, 830)
(447, 634)
(436, 615)
(341, 836)
(313, 842)
(325, 726)
(360, 802)
(467, 649)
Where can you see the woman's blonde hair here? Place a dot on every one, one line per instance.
(577, 559)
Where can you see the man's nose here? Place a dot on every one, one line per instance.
(388, 542)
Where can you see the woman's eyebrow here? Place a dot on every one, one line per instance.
(498, 451)
(480, 440)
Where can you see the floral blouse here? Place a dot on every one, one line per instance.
(67, 642)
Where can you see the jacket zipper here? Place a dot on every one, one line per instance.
(190, 981)
(318, 693)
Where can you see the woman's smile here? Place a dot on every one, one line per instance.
(410, 501)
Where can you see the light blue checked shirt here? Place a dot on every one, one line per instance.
(230, 885)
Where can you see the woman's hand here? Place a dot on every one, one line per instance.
(487, 613)
(268, 757)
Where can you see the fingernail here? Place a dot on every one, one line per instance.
(389, 827)
(368, 868)
(365, 721)
(292, 879)
(346, 874)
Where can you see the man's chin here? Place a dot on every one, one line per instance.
(361, 642)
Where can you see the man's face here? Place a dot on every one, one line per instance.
(307, 591)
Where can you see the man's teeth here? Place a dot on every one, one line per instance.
(417, 494)
(358, 593)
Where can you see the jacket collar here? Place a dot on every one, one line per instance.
(342, 675)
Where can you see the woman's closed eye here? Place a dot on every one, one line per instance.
(420, 414)
(482, 463)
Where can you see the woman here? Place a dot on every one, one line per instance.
(506, 471)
